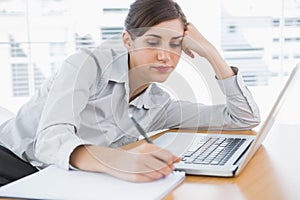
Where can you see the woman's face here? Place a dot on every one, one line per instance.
(155, 54)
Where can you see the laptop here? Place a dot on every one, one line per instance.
(218, 154)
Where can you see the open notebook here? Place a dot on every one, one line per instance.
(55, 183)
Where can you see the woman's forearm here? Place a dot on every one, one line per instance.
(221, 68)
(81, 158)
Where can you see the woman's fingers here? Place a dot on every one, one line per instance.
(194, 42)
(134, 177)
(188, 52)
(159, 166)
(163, 155)
(154, 175)
(161, 160)
(158, 152)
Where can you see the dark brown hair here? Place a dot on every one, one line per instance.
(146, 13)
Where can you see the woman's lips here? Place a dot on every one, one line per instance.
(163, 69)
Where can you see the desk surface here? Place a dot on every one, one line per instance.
(273, 173)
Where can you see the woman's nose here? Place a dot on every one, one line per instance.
(163, 55)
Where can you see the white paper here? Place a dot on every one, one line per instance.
(55, 183)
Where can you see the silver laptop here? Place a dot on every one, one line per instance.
(221, 154)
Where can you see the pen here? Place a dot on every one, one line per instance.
(140, 129)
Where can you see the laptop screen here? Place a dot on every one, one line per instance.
(270, 119)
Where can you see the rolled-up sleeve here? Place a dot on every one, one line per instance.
(239, 112)
(68, 95)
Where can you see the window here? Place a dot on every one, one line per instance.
(20, 81)
(115, 10)
(57, 49)
(111, 33)
(84, 41)
(240, 51)
(36, 36)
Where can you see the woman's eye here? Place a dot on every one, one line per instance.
(175, 45)
(153, 43)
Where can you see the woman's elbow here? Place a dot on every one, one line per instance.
(244, 123)
(250, 122)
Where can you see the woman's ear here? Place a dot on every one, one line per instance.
(127, 41)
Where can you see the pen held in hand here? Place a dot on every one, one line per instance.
(140, 129)
(144, 134)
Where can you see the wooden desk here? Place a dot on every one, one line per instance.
(273, 173)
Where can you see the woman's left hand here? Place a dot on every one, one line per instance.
(194, 41)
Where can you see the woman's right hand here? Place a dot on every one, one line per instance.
(144, 163)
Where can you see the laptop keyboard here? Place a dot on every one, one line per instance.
(212, 151)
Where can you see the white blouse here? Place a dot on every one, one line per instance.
(87, 102)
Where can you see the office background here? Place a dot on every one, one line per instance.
(262, 38)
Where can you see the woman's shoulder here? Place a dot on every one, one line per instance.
(100, 57)
(84, 55)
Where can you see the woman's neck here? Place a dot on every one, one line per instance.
(134, 93)
(136, 85)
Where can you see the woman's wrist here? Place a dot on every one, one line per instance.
(221, 68)
(82, 158)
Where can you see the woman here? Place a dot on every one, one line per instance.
(79, 118)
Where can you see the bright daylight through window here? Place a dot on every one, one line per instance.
(260, 37)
